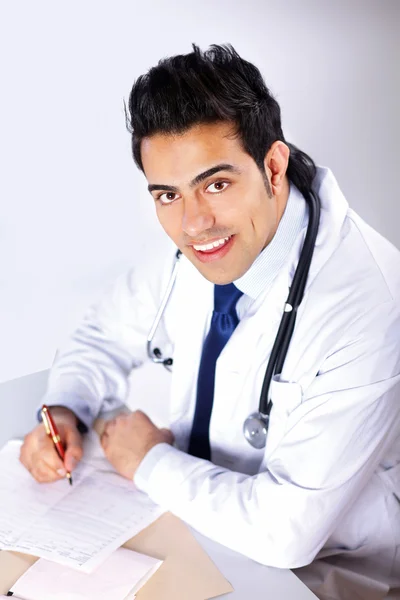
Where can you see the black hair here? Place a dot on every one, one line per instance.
(207, 87)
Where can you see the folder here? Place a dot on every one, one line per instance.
(187, 573)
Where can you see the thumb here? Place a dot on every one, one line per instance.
(74, 448)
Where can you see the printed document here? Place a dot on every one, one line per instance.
(119, 577)
(79, 525)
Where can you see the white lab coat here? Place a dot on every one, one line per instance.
(327, 486)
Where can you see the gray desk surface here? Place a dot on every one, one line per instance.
(18, 401)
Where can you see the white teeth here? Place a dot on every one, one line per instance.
(212, 245)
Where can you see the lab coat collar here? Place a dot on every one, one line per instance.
(334, 205)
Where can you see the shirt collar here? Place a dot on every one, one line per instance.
(270, 261)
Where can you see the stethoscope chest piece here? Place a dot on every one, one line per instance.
(255, 429)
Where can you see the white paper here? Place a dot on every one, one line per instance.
(116, 579)
(78, 525)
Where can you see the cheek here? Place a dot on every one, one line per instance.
(255, 209)
(168, 219)
(266, 224)
(261, 219)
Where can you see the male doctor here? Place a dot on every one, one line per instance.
(230, 193)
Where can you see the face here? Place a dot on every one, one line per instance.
(211, 198)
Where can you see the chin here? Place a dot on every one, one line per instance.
(221, 276)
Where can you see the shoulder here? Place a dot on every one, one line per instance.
(359, 288)
(143, 284)
(352, 305)
(365, 266)
(361, 273)
(380, 257)
(350, 254)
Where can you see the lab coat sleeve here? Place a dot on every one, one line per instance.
(332, 444)
(91, 371)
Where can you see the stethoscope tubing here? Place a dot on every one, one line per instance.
(296, 292)
(155, 354)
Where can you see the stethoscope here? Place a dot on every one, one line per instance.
(255, 427)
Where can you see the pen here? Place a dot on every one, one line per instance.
(52, 431)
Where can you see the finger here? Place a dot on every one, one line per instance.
(74, 448)
(73, 439)
(138, 414)
(37, 449)
(44, 474)
(50, 460)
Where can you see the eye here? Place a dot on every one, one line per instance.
(167, 197)
(217, 187)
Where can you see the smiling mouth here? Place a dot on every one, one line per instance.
(213, 251)
(212, 246)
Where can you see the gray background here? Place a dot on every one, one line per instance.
(74, 212)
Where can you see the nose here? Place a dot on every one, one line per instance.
(197, 217)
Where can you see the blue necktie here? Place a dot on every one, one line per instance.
(223, 322)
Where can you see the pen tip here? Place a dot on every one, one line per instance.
(69, 478)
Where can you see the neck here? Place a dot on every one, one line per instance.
(281, 200)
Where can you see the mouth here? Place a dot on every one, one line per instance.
(214, 250)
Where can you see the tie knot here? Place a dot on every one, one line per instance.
(225, 298)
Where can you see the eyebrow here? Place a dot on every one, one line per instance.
(198, 179)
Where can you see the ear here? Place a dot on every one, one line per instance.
(276, 163)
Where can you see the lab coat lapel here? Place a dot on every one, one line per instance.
(334, 208)
(239, 376)
(190, 313)
(250, 345)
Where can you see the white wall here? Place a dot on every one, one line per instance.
(74, 212)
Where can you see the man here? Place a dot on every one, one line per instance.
(231, 194)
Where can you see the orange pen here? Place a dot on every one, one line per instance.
(52, 431)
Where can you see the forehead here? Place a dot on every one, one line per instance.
(177, 158)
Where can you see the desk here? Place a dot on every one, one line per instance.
(19, 399)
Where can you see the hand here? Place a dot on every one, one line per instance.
(38, 453)
(128, 438)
